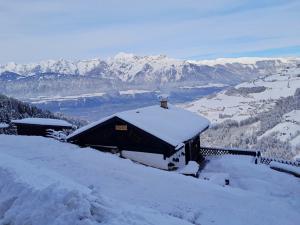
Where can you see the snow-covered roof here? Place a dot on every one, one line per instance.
(173, 125)
(43, 121)
(4, 125)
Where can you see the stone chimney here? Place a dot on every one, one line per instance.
(164, 103)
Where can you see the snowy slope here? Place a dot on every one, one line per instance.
(244, 102)
(288, 130)
(46, 182)
(274, 93)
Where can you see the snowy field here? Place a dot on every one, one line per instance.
(43, 181)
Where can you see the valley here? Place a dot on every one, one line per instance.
(248, 100)
(259, 114)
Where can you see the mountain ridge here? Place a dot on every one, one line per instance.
(127, 71)
(82, 67)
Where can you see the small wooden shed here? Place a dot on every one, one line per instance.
(162, 136)
(40, 126)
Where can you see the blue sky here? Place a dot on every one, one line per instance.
(33, 30)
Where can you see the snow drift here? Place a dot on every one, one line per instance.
(43, 181)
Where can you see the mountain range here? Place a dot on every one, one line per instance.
(126, 72)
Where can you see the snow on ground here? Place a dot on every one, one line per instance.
(293, 116)
(297, 157)
(43, 99)
(286, 168)
(43, 181)
(287, 130)
(283, 131)
(260, 179)
(191, 168)
(239, 106)
(30, 194)
(295, 142)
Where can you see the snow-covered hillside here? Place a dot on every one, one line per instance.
(43, 181)
(265, 107)
(287, 130)
(249, 98)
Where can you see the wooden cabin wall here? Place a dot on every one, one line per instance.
(192, 149)
(36, 130)
(195, 148)
(133, 138)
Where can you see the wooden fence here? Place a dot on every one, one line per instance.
(208, 151)
(212, 151)
(266, 160)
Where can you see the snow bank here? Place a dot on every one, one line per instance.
(32, 195)
(216, 178)
(42, 181)
(244, 174)
(285, 168)
(191, 168)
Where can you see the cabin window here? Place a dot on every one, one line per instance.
(121, 127)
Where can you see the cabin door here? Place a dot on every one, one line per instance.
(187, 152)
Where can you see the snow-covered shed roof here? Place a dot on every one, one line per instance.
(3, 125)
(173, 125)
(43, 121)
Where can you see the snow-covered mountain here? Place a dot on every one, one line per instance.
(128, 71)
(263, 113)
(128, 67)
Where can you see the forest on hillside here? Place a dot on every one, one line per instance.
(231, 133)
(11, 109)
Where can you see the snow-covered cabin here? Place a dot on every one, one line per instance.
(40, 126)
(162, 136)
